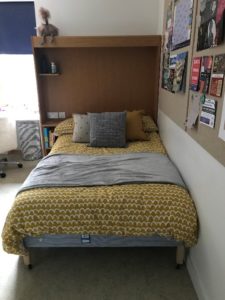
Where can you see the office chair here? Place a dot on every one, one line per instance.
(4, 162)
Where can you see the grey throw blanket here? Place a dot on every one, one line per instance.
(84, 170)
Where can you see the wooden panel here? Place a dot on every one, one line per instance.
(101, 79)
(98, 74)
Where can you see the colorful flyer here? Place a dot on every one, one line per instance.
(165, 70)
(172, 66)
(216, 87)
(208, 113)
(179, 77)
(195, 74)
(173, 74)
(206, 69)
(219, 64)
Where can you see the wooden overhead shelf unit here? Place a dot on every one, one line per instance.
(98, 41)
(95, 74)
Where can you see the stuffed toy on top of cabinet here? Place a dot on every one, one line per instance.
(46, 29)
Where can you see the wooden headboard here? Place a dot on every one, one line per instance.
(99, 74)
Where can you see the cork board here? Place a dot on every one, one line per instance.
(208, 137)
(176, 106)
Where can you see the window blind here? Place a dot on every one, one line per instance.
(17, 25)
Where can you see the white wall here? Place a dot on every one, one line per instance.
(205, 178)
(103, 17)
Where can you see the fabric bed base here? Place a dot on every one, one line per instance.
(74, 240)
(91, 241)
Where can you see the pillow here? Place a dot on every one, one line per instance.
(108, 129)
(64, 127)
(135, 131)
(81, 131)
(148, 124)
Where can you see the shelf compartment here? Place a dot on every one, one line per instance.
(49, 74)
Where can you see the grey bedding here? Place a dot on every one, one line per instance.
(84, 170)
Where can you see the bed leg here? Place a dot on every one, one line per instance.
(180, 255)
(27, 261)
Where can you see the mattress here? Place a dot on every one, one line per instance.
(129, 210)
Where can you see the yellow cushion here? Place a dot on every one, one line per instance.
(64, 127)
(134, 126)
(148, 124)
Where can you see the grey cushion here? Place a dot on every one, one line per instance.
(81, 131)
(107, 129)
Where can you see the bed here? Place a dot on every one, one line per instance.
(120, 215)
(101, 74)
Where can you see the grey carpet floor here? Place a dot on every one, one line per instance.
(88, 274)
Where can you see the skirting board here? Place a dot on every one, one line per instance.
(196, 279)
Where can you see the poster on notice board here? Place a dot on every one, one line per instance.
(174, 70)
(206, 69)
(183, 14)
(195, 73)
(169, 28)
(208, 113)
(211, 29)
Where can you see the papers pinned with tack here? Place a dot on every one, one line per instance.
(208, 113)
(193, 112)
(222, 123)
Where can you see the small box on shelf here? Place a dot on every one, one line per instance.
(47, 68)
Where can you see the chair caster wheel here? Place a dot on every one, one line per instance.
(30, 267)
(20, 165)
(3, 175)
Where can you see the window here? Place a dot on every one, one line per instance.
(18, 96)
(17, 25)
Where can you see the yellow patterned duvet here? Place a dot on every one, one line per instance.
(123, 210)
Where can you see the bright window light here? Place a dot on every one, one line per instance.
(18, 92)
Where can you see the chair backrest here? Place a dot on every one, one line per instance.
(8, 140)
